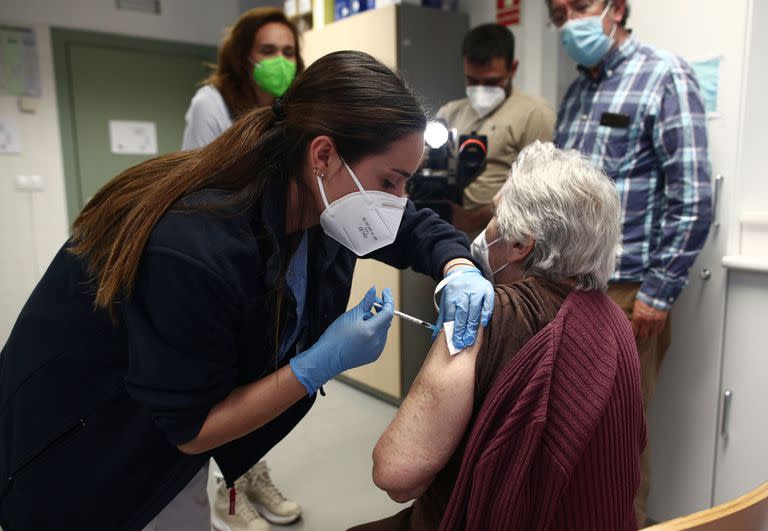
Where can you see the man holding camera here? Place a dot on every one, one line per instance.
(509, 118)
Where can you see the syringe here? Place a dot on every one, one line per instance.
(410, 318)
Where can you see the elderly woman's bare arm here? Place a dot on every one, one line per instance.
(430, 423)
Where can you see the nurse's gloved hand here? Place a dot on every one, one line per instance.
(355, 338)
(467, 299)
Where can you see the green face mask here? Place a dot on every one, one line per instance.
(274, 75)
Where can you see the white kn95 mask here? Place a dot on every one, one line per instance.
(362, 221)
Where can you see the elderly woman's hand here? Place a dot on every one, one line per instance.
(467, 299)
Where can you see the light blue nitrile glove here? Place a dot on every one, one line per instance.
(467, 299)
(355, 338)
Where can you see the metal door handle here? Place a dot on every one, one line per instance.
(716, 199)
(727, 397)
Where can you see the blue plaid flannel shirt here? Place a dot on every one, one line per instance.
(658, 159)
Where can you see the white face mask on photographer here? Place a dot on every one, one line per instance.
(485, 99)
(480, 252)
(362, 221)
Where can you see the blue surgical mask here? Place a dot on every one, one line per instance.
(584, 40)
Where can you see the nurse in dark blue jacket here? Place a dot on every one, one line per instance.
(199, 304)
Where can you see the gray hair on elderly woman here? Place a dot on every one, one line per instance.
(571, 210)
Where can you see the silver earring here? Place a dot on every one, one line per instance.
(318, 173)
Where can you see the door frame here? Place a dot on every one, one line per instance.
(62, 40)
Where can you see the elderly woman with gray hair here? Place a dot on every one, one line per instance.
(539, 425)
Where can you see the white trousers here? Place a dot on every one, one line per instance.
(188, 511)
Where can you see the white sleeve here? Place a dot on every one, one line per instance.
(206, 119)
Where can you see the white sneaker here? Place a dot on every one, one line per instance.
(245, 517)
(268, 500)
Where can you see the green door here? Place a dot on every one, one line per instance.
(103, 78)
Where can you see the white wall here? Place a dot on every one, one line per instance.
(196, 21)
(705, 35)
(34, 225)
(752, 190)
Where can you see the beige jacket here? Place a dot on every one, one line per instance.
(519, 121)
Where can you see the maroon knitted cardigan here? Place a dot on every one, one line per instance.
(557, 441)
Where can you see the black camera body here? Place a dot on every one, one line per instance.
(445, 174)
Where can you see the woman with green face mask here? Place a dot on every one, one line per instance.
(258, 60)
(273, 75)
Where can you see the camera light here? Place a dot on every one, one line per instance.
(436, 134)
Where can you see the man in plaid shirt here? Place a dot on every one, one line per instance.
(637, 113)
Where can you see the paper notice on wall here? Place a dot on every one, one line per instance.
(19, 67)
(132, 138)
(707, 71)
(10, 139)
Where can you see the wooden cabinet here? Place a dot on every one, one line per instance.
(383, 375)
(742, 435)
(407, 344)
(425, 46)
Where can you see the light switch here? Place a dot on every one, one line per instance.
(22, 182)
(29, 183)
(35, 183)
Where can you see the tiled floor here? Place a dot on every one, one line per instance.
(325, 463)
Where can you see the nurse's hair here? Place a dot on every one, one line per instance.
(570, 208)
(349, 96)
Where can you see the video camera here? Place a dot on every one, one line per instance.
(451, 165)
